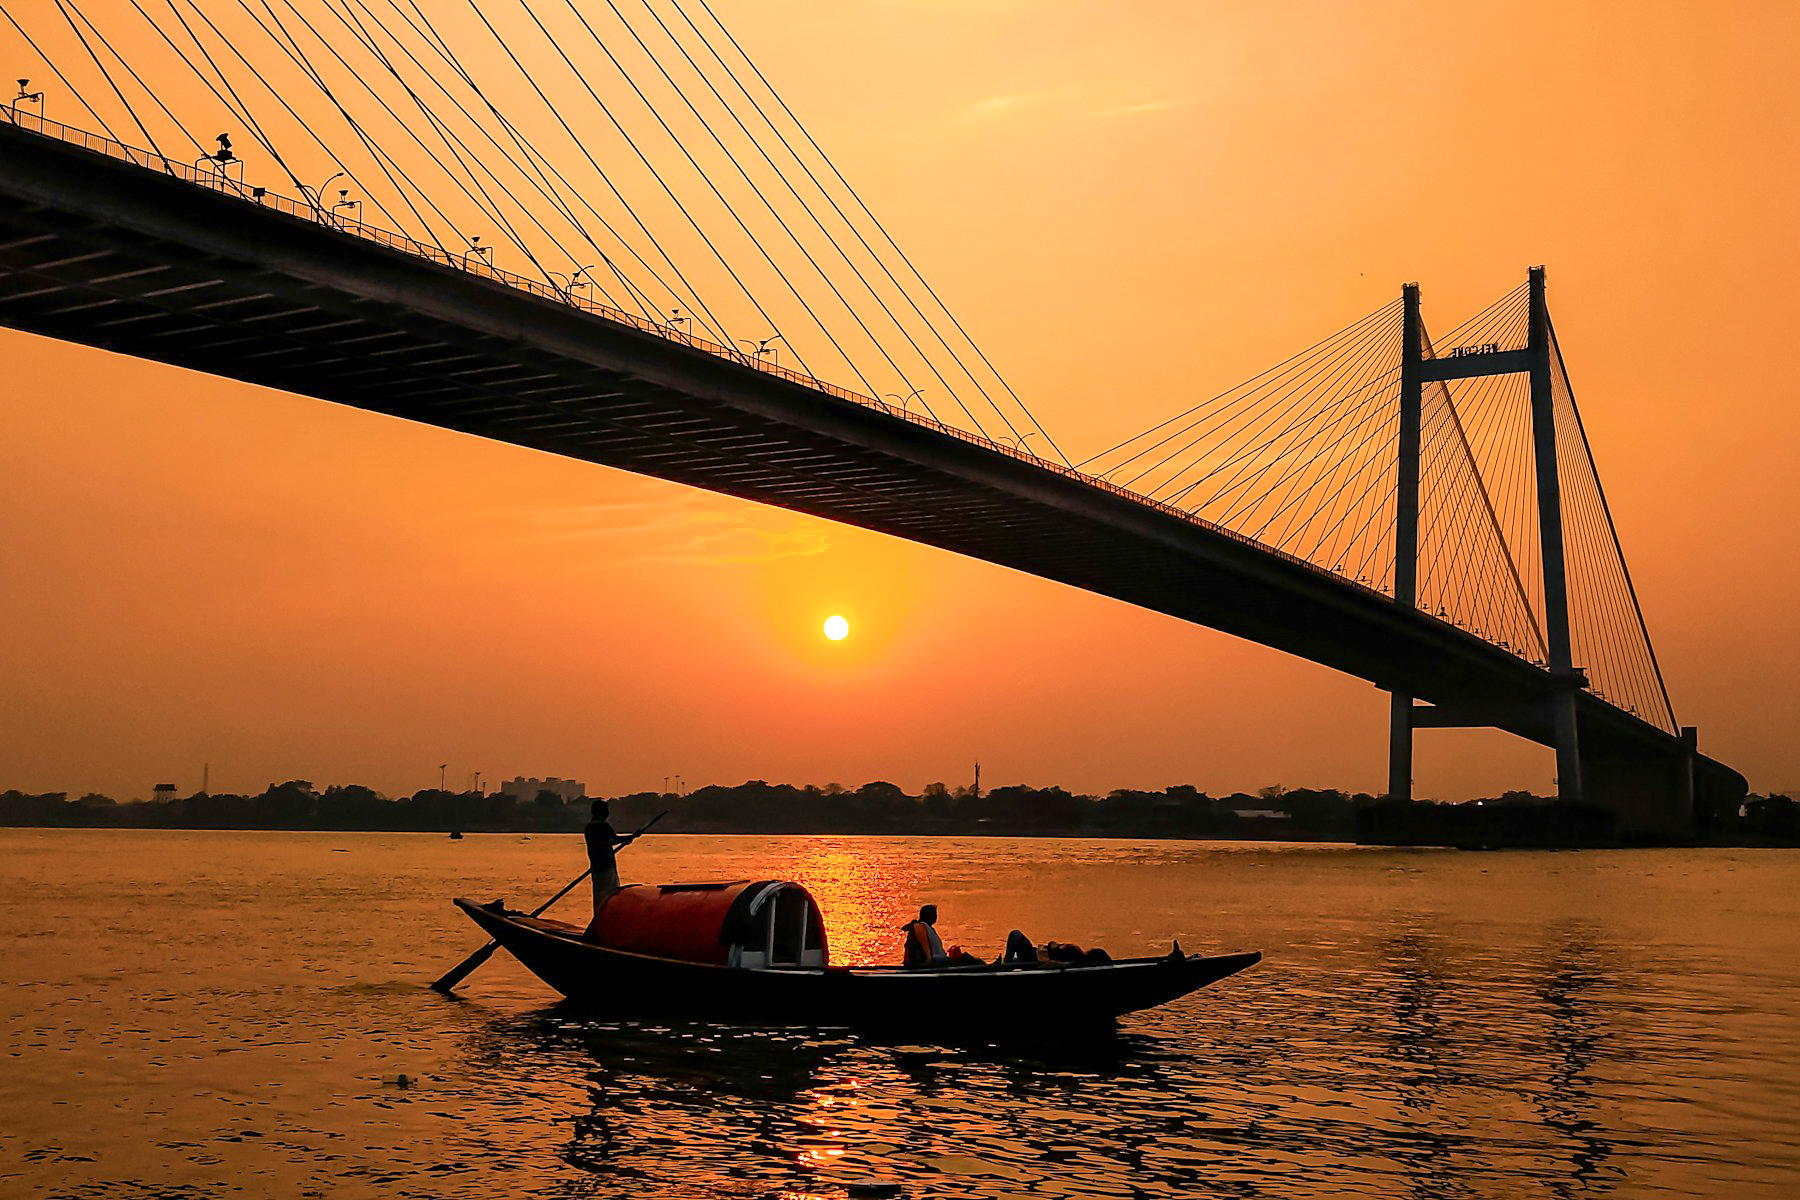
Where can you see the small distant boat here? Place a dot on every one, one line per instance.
(756, 952)
(456, 835)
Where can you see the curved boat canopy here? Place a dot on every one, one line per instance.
(768, 923)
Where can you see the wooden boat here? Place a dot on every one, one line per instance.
(756, 952)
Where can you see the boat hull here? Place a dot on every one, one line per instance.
(619, 983)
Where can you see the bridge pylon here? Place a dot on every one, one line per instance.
(1557, 712)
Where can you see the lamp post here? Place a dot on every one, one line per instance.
(567, 285)
(222, 160)
(316, 197)
(344, 201)
(477, 250)
(576, 281)
(765, 346)
(28, 97)
(906, 399)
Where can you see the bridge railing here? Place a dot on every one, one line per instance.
(219, 177)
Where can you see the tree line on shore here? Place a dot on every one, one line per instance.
(756, 806)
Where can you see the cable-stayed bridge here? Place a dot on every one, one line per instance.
(1423, 513)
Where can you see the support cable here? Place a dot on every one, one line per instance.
(729, 270)
(1278, 367)
(1327, 388)
(1322, 378)
(1488, 508)
(713, 324)
(1637, 609)
(457, 148)
(650, 311)
(851, 192)
(291, 48)
(64, 79)
(1245, 409)
(534, 175)
(1379, 402)
(848, 224)
(113, 84)
(779, 220)
(832, 240)
(1350, 405)
(235, 105)
(173, 119)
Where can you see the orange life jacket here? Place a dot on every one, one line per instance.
(923, 947)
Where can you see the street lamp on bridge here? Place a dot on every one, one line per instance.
(223, 159)
(765, 346)
(906, 399)
(566, 284)
(27, 97)
(316, 196)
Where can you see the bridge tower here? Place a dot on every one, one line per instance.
(1559, 709)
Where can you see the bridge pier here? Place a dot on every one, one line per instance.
(1565, 724)
(1650, 798)
(1400, 747)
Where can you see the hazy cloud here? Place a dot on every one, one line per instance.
(1069, 101)
(686, 528)
(995, 107)
(1133, 110)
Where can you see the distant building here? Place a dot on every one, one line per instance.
(566, 790)
(163, 792)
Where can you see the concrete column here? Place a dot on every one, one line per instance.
(1690, 743)
(1406, 528)
(1400, 747)
(1550, 534)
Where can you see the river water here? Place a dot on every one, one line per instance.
(206, 1014)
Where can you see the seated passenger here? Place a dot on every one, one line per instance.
(1075, 956)
(1019, 949)
(923, 946)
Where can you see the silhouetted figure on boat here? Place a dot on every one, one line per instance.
(1019, 949)
(603, 846)
(924, 948)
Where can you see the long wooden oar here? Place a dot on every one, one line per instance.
(466, 967)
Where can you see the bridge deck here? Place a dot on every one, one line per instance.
(112, 255)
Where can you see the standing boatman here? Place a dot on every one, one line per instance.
(603, 845)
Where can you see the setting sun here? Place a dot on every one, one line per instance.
(836, 628)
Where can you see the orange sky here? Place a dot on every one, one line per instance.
(1131, 206)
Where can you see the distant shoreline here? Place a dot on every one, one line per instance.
(1288, 839)
(1180, 812)
(439, 835)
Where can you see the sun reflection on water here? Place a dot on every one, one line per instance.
(863, 896)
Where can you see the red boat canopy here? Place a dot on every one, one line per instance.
(739, 924)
